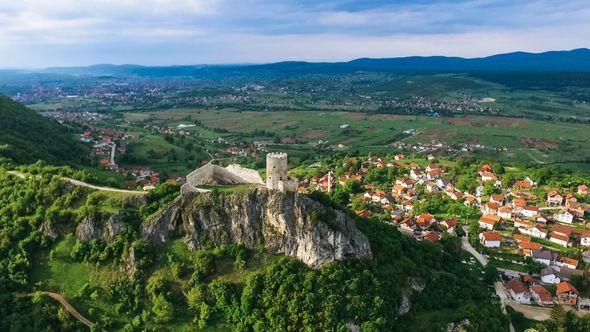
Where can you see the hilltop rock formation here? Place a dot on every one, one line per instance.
(90, 228)
(284, 223)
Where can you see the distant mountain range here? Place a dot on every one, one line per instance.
(577, 60)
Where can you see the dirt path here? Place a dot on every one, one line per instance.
(62, 300)
(86, 185)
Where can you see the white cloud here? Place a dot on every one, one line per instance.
(62, 32)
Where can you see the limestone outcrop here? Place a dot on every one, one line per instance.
(106, 230)
(284, 223)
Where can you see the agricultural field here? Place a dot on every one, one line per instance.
(512, 140)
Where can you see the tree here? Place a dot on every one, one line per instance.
(557, 317)
(162, 310)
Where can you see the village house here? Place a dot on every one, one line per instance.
(520, 223)
(542, 256)
(408, 206)
(488, 221)
(521, 238)
(469, 200)
(567, 262)
(541, 295)
(407, 227)
(534, 231)
(527, 247)
(566, 294)
(497, 198)
(570, 199)
(488, 176)
(411, 195)
(425, 220)
(585, 239)
(399, 156)
(529, 211)
(526, 184)
(583, 190)
(564, 217)
(454, 194)
(562, 230)
(434, 174)
(364, 213)
(398, 215)
(518, 202)
(431, 236)
(560, 239)
(431, 187)
(550, 275)
(491, 207)
(518, 291)
(540, 218)
(490, 239)
(577, 210)
(505, 213)
(416, 174)
(554, 198)
(450, 224)
(444, 183)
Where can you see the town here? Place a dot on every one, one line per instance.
(535, 235)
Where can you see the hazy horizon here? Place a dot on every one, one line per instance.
(41, 34)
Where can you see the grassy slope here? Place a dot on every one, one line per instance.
(27, 137)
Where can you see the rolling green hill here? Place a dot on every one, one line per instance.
(26, 137)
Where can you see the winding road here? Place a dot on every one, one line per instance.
(86, 185)
(62, 300)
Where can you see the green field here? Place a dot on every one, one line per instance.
(514, 140)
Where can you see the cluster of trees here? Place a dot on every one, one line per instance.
(26, 137)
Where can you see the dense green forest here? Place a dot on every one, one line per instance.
(26, 137)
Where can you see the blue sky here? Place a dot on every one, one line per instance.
(39, 33)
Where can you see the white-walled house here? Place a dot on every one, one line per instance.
(585, 239)
(550, 275)
(490, 239)
(564, 217)
(518, 291)
(529, 211)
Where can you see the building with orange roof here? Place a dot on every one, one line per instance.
(566, 294)
(541, 295)
(518, 291)
(488, 221)
(490, 239)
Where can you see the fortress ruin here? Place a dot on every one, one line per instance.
(276, 173)
(210, 174)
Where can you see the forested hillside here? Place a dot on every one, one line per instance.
(125, 283)
(26, 137)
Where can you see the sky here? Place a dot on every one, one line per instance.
(43, 33)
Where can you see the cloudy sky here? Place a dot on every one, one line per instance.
(39, 33)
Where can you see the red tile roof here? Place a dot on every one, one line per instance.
(543, 293)
(492, 236)
(564, 287)
(516, 286)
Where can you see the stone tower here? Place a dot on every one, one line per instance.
(276, 173)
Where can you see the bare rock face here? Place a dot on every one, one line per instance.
(92, 228)
(52, 230)
(284, 223)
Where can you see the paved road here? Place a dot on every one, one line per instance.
(500, 290)
(62, 300)
(86, 185)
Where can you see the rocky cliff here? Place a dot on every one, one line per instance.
(284, 223)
